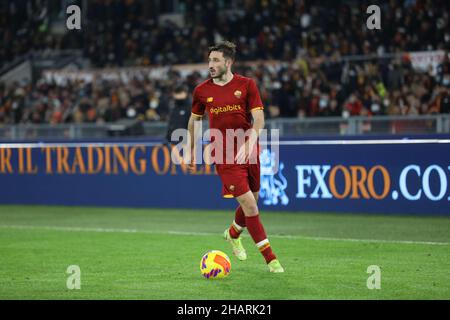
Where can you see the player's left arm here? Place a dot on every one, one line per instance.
(256, 108)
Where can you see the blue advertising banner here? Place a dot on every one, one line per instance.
(367, 176)
(404, 176)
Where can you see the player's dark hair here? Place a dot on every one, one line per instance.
(226, 47)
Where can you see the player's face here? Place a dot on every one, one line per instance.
(217, 64)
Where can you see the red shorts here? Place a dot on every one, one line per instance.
(238, 179)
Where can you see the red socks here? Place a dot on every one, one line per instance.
(256, 230)
(239, 223)
(239, 217)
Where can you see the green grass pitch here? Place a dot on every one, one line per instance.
(155, 254)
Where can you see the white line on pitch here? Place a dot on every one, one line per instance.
(185, 233)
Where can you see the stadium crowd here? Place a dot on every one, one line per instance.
(128, 32)
(298, 89)
(310, 38)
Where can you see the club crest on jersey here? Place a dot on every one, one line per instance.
(209, 99)
(237, 94)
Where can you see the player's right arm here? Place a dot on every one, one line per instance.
(191, 128)
(196, 115)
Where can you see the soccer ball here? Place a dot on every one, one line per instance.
(215, 265)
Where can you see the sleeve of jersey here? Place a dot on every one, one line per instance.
(197, 107)
(253, 98)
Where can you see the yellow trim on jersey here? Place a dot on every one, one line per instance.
(256, 108)
(228, 196)
(199, 115)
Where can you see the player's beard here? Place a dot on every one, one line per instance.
(220, 71)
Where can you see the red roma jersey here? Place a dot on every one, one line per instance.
(228, 106)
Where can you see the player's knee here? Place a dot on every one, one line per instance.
(251, 210)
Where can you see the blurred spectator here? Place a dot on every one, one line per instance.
(180, 111)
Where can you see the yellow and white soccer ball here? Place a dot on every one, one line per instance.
(215, 265)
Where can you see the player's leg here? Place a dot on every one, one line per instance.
(232, 183)
(232, 235)
(256, 230)
(238, 225)
(254, 181)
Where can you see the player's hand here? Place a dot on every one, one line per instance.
(207, 156)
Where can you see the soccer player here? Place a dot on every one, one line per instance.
(232, 102)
